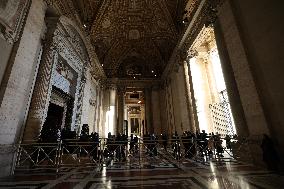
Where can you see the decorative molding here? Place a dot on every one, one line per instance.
(192, 53)
(79, 104)
(204, 41)
(12, 18)
(43, 85)
(70, 19)
(205, 13)
(57, 42)
(93, 102)
(64, 8)
(141, 83)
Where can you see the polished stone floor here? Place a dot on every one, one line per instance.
(152, 172)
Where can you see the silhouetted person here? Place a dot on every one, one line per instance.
(270, 156)
(95, 143)
(109, 135)
(165, 141)
(131, 143)
(203, 142)
(228, 142)
(218, 145)
(210, 145)
(176, 145)
(152, 146)
(192, 147)
(84, 136)
(49, 132)
(136, 144)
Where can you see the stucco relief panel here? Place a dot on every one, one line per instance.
(65, 50)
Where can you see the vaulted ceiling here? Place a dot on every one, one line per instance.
(132, 38)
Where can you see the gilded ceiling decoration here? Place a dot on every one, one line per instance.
(132, 38)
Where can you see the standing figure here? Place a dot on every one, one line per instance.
(270, 156)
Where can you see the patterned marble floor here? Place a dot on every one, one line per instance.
(153, 173)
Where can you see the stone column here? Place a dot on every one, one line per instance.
(97, 119)
(206, 95)
(126, 118)
(191, 116)
(105, 109)
(231, 85)
(143, 118)
(155, 98)
(113, 107)
(214, 95)
(192, 97)
(171, 110)
(121, 102)
(101, 111)
(43, 85)
(148, 111)
(241, 63)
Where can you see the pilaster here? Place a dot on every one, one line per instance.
(43, 85)
(148, 111)
(120, 108)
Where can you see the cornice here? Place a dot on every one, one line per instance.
(141, 83)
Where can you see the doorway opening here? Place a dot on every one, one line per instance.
(52, 124)
(212, 103)
(134, 111)
(59, 115)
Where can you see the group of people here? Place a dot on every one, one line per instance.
(116, 146)
(202, 144)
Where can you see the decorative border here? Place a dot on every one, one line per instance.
(12, 32)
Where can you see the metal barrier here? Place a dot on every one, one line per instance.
(75, 153)
(37, 156)
(109, 153)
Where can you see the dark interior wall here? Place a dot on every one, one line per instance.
(262, 30)
(261, 26)
(5, 51)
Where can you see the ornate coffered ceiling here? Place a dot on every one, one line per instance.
(132, 38)
(87, 10)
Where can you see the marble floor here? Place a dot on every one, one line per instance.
(152, 172)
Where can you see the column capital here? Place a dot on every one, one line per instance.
(211, 13)
(192, 53)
